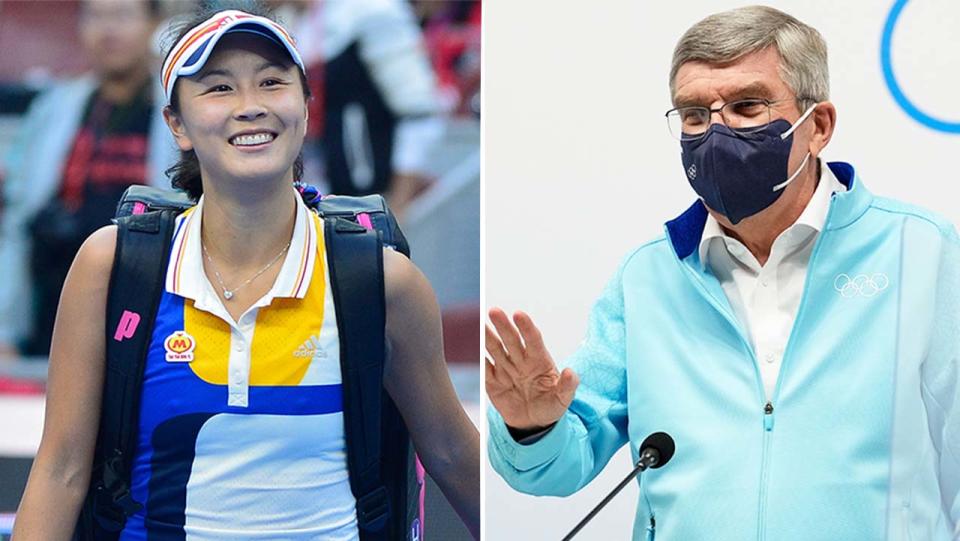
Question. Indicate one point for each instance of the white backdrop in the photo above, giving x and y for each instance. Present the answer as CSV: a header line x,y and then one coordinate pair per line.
x,y
579,166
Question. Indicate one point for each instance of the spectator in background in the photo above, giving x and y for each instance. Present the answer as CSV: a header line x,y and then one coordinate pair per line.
x,y
82,143
451,31
376,108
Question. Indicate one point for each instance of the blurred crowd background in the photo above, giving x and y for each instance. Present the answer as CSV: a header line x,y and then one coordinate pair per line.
x,y
396,111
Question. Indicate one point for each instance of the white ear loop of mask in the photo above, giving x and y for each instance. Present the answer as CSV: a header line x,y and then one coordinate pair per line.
x,y
786,134
783,184
799,121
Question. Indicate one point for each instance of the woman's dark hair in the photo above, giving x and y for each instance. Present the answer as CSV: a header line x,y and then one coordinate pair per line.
x,y
185,174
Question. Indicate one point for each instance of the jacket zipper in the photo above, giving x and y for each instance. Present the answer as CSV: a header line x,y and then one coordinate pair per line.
x,y
764,470
768,417
768,409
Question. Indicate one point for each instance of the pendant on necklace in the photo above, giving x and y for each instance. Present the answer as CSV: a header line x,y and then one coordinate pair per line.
x,y
227,294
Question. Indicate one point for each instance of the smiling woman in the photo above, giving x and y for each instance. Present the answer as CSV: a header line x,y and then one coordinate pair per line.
x,y
217,83
243,423
232,132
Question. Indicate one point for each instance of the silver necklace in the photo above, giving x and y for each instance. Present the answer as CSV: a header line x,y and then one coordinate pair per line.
x,y
228,293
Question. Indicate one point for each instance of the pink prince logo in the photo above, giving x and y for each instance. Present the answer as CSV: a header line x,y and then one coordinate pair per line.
x,y
127,326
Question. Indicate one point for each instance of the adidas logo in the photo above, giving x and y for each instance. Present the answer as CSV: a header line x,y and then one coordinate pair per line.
x,y
310,349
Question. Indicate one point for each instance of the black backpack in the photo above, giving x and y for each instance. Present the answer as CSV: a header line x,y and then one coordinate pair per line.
x,y
388,486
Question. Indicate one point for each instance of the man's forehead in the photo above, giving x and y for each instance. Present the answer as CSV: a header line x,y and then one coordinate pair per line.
x,y
753,75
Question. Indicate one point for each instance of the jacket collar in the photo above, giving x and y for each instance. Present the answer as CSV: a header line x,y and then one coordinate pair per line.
x,y
685,231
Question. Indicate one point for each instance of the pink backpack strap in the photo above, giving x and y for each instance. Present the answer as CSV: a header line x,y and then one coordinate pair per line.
x,y
422,490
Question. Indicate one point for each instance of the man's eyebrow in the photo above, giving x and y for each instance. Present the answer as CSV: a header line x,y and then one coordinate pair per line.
x,y
756,89
681,100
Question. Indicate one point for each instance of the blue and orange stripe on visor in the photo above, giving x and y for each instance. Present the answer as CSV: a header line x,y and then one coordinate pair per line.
x,y
189,55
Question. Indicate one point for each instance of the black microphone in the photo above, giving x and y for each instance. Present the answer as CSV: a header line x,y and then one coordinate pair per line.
x,y
655,451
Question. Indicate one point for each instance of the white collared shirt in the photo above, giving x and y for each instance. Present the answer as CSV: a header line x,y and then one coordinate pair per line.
x,y
765,299
186,278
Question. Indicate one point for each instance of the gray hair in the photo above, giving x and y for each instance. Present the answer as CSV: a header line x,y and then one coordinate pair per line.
x,y
727,36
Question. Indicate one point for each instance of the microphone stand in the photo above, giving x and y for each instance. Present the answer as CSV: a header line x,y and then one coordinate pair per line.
x,y
649,458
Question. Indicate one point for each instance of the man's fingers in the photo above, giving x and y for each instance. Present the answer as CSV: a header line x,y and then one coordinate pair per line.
x,y
508,334
532,339
490,373
508,369
494,345
567,386
496,375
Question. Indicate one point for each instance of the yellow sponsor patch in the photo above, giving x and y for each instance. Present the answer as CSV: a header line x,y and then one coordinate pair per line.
x,y
179,346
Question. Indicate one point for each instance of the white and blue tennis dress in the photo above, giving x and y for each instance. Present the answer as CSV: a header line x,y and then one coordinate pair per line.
x,y
241,422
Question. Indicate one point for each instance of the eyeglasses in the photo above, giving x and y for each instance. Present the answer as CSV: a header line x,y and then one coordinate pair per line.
x,y
745,116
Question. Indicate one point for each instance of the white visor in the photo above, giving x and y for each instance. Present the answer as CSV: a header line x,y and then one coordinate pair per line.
x,y
190,53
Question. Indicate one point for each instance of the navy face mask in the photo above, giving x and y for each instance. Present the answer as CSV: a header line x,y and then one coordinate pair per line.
x,y
740,174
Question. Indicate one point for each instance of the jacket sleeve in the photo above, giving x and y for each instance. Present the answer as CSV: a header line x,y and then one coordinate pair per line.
x,y
574,451
941,381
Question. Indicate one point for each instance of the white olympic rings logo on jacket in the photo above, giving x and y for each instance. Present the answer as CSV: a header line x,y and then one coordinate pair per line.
x,y
861,284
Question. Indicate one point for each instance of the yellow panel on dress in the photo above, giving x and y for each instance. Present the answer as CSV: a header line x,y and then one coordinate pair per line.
x,y
287,331
211,335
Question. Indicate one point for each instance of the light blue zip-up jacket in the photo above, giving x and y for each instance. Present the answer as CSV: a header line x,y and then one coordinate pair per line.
x,y
860,441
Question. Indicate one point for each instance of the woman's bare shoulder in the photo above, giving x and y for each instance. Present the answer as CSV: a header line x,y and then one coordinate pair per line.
x,y
403,281
411,304
99,248
89,276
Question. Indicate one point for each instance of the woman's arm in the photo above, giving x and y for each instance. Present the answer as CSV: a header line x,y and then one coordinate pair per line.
x,y
417,379
61,470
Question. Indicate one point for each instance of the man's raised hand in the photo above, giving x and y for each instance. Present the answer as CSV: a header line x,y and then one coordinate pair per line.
x,y
522,380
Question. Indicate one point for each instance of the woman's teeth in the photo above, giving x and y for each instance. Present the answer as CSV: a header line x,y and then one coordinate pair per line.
x,y
254,139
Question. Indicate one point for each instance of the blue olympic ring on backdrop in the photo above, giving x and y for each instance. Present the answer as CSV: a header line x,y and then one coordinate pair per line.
x,y
898,95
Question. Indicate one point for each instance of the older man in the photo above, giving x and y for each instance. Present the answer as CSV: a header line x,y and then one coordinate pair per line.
x,y
798,336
